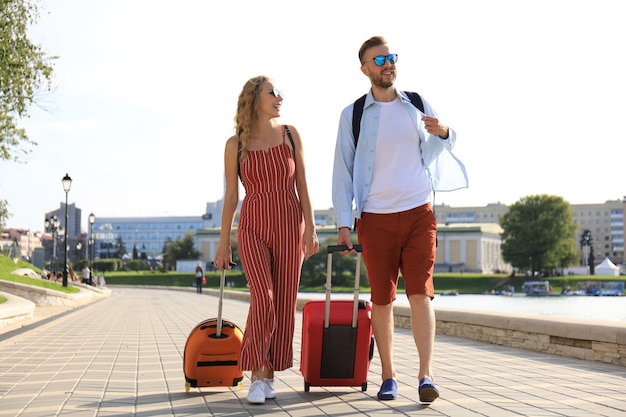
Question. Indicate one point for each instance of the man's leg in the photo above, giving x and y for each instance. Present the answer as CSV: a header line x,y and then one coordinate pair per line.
x,y
423,324
382,325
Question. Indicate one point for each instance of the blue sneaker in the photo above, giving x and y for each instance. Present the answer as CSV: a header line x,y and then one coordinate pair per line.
x,y
427,390
388,390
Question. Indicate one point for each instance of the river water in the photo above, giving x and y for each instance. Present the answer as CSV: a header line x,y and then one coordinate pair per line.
x,y
585,307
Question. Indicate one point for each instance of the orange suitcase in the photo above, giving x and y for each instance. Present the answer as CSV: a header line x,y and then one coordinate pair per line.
x,y
213,352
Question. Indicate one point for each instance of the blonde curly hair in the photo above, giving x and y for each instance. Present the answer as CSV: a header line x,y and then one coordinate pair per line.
x,y
246,111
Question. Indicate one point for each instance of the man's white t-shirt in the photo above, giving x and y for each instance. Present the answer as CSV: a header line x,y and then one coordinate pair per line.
x,y
399,180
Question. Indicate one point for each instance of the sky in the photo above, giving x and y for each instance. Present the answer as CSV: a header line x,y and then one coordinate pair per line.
x,y
144,94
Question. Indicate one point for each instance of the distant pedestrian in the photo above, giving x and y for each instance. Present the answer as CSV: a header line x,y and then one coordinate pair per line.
x,y
86,275
199,278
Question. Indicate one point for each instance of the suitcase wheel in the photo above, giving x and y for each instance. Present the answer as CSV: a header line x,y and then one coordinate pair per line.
x,y
239,385
187,386
364,386
307,387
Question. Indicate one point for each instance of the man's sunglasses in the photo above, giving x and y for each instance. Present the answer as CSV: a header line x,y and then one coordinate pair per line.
x,y
380,59
276,93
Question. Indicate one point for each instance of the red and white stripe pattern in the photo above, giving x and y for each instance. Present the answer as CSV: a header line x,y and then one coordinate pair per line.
x,y
270,247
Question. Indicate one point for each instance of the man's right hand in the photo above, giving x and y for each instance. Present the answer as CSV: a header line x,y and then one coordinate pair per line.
x,y
343,238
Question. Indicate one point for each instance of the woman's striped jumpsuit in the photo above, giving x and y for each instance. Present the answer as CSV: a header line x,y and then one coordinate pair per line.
x,y
269,237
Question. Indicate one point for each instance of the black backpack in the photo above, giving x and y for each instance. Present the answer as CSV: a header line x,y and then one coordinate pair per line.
x,y
415,98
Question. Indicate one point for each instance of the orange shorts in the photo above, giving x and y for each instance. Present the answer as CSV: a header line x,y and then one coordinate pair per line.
x,y
402,242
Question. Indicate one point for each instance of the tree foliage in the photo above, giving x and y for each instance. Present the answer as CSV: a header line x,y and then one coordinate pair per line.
x,y
314,269
24,71
4,214
137,265
539,233
120,248
182,248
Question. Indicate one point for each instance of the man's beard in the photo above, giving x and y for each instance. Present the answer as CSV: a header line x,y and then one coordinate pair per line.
x,y
378,82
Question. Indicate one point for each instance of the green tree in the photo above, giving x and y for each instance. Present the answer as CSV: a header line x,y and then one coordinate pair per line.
x,y
120,248
4,214
182,248
24,71
314,269
539,232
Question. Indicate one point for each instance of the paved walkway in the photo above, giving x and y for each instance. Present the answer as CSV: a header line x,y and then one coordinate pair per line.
x,y
122,356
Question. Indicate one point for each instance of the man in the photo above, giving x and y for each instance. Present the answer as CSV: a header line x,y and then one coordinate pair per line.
x,y
401,156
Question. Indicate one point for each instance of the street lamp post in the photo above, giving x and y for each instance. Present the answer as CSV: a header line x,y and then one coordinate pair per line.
x,y
92,241
67,183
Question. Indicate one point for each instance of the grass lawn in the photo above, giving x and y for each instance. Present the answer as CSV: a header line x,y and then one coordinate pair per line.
x,y
7,265
466,283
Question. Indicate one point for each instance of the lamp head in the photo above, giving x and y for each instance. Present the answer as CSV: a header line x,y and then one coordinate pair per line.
x,y
67,182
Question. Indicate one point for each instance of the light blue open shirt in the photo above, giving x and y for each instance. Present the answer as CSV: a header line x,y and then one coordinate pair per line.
x,y
352,171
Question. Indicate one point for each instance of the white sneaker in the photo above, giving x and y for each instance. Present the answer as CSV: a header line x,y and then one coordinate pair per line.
x,y
256,395
270,392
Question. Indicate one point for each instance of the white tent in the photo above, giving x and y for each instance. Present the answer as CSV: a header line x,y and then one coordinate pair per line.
x,y
607,268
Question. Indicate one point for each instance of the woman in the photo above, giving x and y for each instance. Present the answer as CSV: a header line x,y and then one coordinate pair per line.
x,y
199,277
276,229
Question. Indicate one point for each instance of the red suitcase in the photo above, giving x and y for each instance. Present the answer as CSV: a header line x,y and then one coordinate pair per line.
x,y
337,341
213,352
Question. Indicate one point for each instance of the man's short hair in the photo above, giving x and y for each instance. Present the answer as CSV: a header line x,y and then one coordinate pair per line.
x,y
371,42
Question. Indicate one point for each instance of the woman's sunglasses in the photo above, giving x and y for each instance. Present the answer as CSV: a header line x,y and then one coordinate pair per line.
x,y
380,59
276,93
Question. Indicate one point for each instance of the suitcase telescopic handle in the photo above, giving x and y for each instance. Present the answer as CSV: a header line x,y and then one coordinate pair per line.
x,y
218,332
357,275
340,248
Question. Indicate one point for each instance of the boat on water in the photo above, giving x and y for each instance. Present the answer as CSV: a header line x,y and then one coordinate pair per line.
x,y
591,288
611,288
537,288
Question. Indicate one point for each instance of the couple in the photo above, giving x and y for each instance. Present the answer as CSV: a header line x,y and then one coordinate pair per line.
x,y
401,156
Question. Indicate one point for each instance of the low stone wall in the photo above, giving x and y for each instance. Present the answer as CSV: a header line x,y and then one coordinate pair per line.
x,y
592,340
15,309
46,297
601,341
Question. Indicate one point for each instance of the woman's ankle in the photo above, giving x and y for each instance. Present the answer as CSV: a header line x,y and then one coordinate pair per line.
x,y
257,374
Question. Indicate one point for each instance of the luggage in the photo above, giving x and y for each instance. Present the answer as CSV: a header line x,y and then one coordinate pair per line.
x,y
213,352
337,340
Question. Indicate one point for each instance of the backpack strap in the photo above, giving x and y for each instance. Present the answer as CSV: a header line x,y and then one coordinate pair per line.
x,y
239,149
357,114
416,100
359,104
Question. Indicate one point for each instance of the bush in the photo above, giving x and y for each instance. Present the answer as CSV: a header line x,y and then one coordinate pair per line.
x,y
107,265
137,265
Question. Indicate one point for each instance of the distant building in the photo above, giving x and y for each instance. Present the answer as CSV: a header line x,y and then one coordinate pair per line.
x,y
470,247
605,221
73,219
20,243
52,239
144,237
466,239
